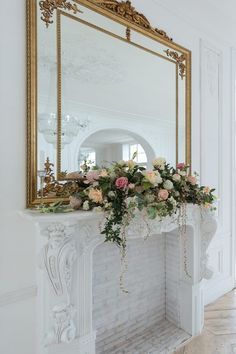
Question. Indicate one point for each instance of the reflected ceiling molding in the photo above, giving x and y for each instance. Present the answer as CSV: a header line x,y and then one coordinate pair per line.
x,y
180,59
127,11
47,8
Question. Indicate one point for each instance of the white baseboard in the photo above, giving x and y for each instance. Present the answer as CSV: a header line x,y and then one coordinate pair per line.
x,y
17,295
220,288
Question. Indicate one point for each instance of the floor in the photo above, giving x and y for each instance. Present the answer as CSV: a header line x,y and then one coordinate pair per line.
x,y
219,335
161,338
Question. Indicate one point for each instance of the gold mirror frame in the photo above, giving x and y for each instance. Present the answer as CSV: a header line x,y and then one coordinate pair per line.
x,y
122,12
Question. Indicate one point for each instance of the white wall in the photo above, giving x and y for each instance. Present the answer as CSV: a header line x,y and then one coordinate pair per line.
x,y
17,256
212,117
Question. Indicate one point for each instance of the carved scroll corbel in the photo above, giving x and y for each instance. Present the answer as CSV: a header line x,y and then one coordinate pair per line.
x,y
208,230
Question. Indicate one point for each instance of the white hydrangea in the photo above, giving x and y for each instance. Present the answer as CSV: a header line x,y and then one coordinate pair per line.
x,y
131,201
86,206
168,185
111,194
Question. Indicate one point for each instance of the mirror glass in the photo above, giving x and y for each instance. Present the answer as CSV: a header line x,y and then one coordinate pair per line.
x,y
106,146
104,90
107,82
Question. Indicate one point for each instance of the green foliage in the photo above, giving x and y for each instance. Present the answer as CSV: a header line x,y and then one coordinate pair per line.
x,y
125,187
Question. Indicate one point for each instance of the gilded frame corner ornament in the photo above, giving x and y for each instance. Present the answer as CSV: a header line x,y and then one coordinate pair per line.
x,y
123,12
180,60
47,7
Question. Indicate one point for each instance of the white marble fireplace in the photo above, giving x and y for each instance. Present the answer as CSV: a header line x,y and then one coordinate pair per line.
x,y
80,307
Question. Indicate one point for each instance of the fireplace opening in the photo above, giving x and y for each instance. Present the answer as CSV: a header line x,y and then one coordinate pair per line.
x,y
147,319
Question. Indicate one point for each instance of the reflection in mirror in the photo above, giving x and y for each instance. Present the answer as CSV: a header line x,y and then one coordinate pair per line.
x,y
114,84
106,146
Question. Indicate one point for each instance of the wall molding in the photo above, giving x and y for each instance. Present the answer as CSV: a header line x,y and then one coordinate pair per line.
x,y
211,87
233,175
18,295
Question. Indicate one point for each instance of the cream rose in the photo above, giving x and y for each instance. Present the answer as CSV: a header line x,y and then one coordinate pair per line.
x,y
153,177
103,173
131,164
159,163
95,195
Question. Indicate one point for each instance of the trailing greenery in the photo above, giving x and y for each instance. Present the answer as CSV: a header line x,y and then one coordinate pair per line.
x,y
125,187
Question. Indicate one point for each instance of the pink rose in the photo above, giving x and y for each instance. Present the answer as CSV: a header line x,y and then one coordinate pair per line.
x,y
75,202
122,182
131,186
163,194
92,176
192,180
206,190
181,166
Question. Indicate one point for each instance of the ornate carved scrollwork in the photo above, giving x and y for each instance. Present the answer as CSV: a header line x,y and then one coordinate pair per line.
x,y
180,60
127,11
64,327
47,8
208,229
122,8
52,187
59,255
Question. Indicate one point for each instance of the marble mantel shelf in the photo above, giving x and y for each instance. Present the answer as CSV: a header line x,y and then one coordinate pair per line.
x,y
65,244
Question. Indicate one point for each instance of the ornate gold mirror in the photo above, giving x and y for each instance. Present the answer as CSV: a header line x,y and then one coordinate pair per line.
x,y
102,83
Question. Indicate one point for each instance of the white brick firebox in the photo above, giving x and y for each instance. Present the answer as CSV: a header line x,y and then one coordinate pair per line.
x,y
80,307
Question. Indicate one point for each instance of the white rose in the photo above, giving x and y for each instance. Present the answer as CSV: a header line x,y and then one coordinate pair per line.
x,y
159,163
182,173
176,177
168,184
86,205
153,177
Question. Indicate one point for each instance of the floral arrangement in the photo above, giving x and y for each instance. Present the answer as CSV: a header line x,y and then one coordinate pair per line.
x,y
125,187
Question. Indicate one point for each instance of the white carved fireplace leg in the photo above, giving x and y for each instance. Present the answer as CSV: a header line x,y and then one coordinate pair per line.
x,y
57,257
194,269
65,325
